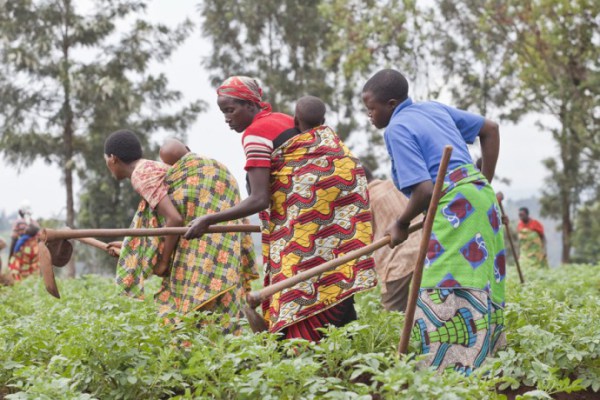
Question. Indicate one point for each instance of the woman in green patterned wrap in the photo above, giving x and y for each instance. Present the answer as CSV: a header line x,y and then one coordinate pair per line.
x,y
210,274
459,317
532,241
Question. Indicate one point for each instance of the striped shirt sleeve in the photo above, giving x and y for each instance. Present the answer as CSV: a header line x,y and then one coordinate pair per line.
x,y
258,151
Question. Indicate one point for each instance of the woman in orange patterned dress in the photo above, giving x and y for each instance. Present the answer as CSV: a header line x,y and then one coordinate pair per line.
x,y
211,274
23,259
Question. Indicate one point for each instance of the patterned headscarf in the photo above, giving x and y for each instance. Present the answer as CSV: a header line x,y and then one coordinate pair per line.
x,y
243,88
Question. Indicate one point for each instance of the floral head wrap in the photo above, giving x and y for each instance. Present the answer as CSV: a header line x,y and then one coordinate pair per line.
x,y
243,88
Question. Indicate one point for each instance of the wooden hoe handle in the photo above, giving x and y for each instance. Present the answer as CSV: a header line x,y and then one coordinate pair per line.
x,y
427,228
57,234
256,297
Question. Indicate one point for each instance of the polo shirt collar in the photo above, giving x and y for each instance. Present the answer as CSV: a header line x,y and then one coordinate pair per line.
x,y
402,106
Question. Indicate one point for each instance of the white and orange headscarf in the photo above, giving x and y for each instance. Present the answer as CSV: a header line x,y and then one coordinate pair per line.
x,y
243,88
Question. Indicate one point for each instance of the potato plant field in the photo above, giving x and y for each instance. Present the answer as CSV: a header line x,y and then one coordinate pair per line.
x,y
96,344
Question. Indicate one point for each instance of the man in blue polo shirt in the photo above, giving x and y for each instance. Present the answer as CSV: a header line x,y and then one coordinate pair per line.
x,y
459,315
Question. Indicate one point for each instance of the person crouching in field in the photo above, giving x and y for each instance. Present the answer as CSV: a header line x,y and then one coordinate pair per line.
x,y
2,247
311,193
5,278
394,266
23,259
211,274
459,317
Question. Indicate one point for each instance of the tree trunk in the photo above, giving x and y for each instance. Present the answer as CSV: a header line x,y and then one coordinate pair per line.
x,y
68,130
567,229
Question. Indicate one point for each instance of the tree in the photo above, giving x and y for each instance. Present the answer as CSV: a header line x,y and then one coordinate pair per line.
x,y
585,238
70,77
326,48
537,56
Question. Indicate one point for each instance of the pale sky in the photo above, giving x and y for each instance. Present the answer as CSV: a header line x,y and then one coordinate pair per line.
x,y
523,146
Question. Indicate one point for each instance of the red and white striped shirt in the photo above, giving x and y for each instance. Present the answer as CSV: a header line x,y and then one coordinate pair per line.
x,y
259,136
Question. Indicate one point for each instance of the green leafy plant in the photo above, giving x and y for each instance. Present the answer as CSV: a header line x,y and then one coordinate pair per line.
x,y
96,344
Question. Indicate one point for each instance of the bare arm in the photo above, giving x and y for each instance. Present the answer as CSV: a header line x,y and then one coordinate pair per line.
x,y
167,209
259,199
489,136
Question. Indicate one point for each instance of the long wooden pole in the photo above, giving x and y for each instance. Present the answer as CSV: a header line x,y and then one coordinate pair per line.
x,y
499,197
85,236
58,234
256,297
253,299
94,243
418,274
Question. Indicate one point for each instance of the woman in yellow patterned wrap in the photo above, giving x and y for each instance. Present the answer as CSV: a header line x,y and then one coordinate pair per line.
x,y
312,196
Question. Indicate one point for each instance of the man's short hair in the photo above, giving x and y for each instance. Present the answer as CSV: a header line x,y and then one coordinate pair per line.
x,y
386,85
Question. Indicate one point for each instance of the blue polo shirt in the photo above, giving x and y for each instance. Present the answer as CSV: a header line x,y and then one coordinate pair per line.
x,y
416,136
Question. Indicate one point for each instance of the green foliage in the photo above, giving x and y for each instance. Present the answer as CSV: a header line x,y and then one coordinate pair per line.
x,y
95,344
533,57
553,341
585,238
70,77
326,48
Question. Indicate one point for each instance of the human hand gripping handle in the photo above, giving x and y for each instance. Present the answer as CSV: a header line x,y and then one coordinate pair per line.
x,y
256,297
398,233
198,227
114,248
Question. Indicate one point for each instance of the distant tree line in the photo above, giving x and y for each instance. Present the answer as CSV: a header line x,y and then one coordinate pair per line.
x,y
69,77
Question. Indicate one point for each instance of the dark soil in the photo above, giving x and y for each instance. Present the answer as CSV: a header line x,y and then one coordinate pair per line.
x,y
581,395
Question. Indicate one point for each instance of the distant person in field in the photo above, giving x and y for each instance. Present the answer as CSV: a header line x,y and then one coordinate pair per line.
x,y
23,258
211,274
394,266
311,193
532,242
2,247
459,317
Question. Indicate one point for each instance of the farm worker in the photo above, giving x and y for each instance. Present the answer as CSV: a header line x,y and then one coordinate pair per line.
x,y
23,257
311,193
532,242
171,151
394,266
459,316
211,274
2,247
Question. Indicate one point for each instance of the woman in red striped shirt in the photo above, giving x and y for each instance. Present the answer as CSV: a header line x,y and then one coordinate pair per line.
x,y
311,193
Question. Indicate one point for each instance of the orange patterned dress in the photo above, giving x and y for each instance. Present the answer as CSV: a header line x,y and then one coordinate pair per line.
x,y
207,274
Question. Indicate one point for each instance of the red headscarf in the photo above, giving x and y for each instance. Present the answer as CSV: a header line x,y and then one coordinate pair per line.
x,y
243,88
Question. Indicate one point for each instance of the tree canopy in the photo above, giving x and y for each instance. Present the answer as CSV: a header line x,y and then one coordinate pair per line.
x,y
70,76
533,57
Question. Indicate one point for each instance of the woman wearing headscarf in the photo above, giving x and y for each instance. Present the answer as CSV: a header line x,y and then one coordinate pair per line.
x,y
311,193
23,258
